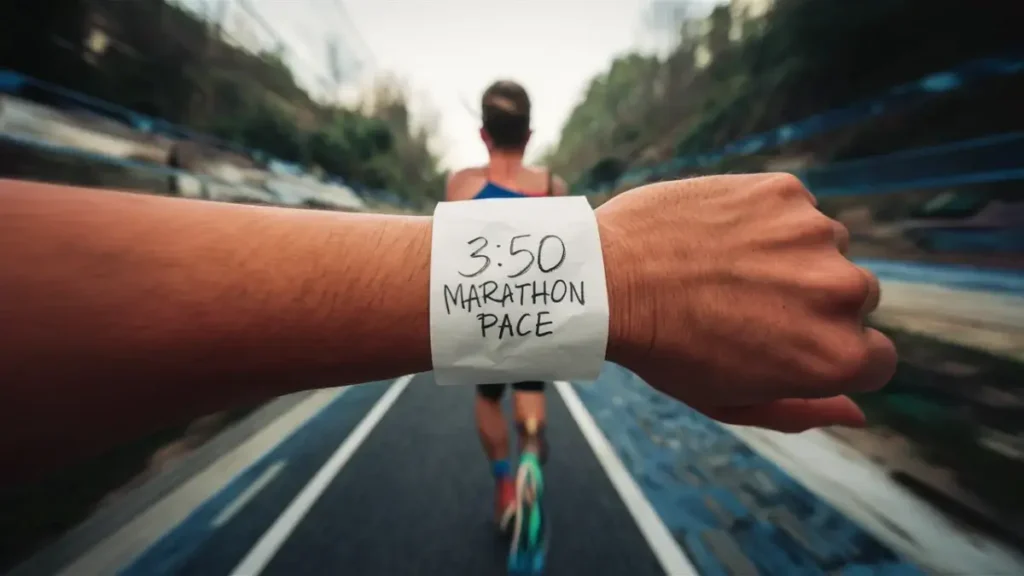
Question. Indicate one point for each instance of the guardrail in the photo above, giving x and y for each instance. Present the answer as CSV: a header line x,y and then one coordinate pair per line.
x,y
896,98
16,83
994,158
274,190
998,158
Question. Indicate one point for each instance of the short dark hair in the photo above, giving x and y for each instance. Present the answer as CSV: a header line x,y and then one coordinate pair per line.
x,y
506,115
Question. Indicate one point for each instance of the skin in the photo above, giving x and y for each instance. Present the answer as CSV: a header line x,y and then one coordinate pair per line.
x,y
125,313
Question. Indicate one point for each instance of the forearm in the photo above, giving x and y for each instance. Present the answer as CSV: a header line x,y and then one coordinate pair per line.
x,y
179,308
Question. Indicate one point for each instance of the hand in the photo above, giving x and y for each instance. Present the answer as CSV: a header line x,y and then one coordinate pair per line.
x,y
732,294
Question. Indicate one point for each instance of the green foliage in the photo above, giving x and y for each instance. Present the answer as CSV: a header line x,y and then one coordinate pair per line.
x,y
801,58
166,63
607,117
353,147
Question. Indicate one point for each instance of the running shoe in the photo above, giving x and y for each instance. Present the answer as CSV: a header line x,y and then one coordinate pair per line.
x,y
529,527
505,503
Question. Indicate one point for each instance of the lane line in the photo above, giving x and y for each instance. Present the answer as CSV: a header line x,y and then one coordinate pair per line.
x,y
238,503
134,501
134,538
665,548
305,451
272,540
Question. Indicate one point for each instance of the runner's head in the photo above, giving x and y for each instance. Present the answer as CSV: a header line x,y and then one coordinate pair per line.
x,y
506,116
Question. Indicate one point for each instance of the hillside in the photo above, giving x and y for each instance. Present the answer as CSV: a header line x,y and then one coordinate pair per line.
x,y
801,58
157,59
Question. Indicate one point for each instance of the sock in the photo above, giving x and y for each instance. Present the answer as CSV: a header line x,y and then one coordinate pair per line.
x,y
534,431
501,468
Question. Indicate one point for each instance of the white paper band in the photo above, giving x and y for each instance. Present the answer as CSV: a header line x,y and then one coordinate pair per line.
x,y
517,291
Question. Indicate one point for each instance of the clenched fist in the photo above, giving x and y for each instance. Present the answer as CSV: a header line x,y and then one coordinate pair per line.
x,y
732,294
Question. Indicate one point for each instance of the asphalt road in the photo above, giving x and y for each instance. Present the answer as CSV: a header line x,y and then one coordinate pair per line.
x,y
415,498
389,478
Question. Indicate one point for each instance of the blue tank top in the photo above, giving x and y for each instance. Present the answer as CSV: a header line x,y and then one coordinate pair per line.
x,y
492,190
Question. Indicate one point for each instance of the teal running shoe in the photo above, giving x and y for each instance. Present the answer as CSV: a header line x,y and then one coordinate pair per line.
x,y
529,530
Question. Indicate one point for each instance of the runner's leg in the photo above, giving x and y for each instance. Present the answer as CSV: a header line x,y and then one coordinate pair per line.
x,y
529,530
490,421
530,406
493,431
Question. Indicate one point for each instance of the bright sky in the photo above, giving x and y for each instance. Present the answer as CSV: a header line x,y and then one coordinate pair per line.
x,y
448,51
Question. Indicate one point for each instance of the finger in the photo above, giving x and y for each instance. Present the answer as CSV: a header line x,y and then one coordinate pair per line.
x,y
794,415
851,359
874,292
842,236
879,365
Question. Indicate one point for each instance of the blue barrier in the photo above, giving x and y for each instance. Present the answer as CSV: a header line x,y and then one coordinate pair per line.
x,y
15,83
899,97
385,196
156,169
953,276
998,158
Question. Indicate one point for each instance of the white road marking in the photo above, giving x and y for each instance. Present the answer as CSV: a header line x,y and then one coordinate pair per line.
x,y
671,557
236,506
132,539
271,541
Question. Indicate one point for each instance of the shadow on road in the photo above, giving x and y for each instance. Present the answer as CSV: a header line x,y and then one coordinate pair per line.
x,y
37,514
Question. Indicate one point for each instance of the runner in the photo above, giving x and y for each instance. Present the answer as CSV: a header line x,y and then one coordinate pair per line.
x,y
506,131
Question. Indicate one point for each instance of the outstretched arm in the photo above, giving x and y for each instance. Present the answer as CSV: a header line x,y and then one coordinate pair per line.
x,y
122,313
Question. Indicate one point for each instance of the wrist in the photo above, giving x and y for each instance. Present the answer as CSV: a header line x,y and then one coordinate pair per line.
x,y
374,317
403,303
625,320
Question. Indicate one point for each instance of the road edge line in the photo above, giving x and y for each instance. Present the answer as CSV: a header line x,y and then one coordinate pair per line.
x,y
666,549
121,547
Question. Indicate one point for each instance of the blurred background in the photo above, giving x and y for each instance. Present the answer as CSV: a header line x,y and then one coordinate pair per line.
x,y
902,116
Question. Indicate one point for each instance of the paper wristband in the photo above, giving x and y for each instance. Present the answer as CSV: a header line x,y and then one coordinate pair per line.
x,y
517,291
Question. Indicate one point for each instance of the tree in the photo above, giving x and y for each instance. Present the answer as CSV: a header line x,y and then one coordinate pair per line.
x,y
801,58
168,64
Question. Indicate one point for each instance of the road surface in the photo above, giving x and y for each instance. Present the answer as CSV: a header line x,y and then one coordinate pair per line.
x,y
388,478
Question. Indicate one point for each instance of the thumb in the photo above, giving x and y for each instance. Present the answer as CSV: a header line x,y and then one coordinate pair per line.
x,y
793,415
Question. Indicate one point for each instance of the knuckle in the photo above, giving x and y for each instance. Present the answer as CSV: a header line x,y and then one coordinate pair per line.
x,y
819,227
787,181
840,230
853,286
846,363
790,186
